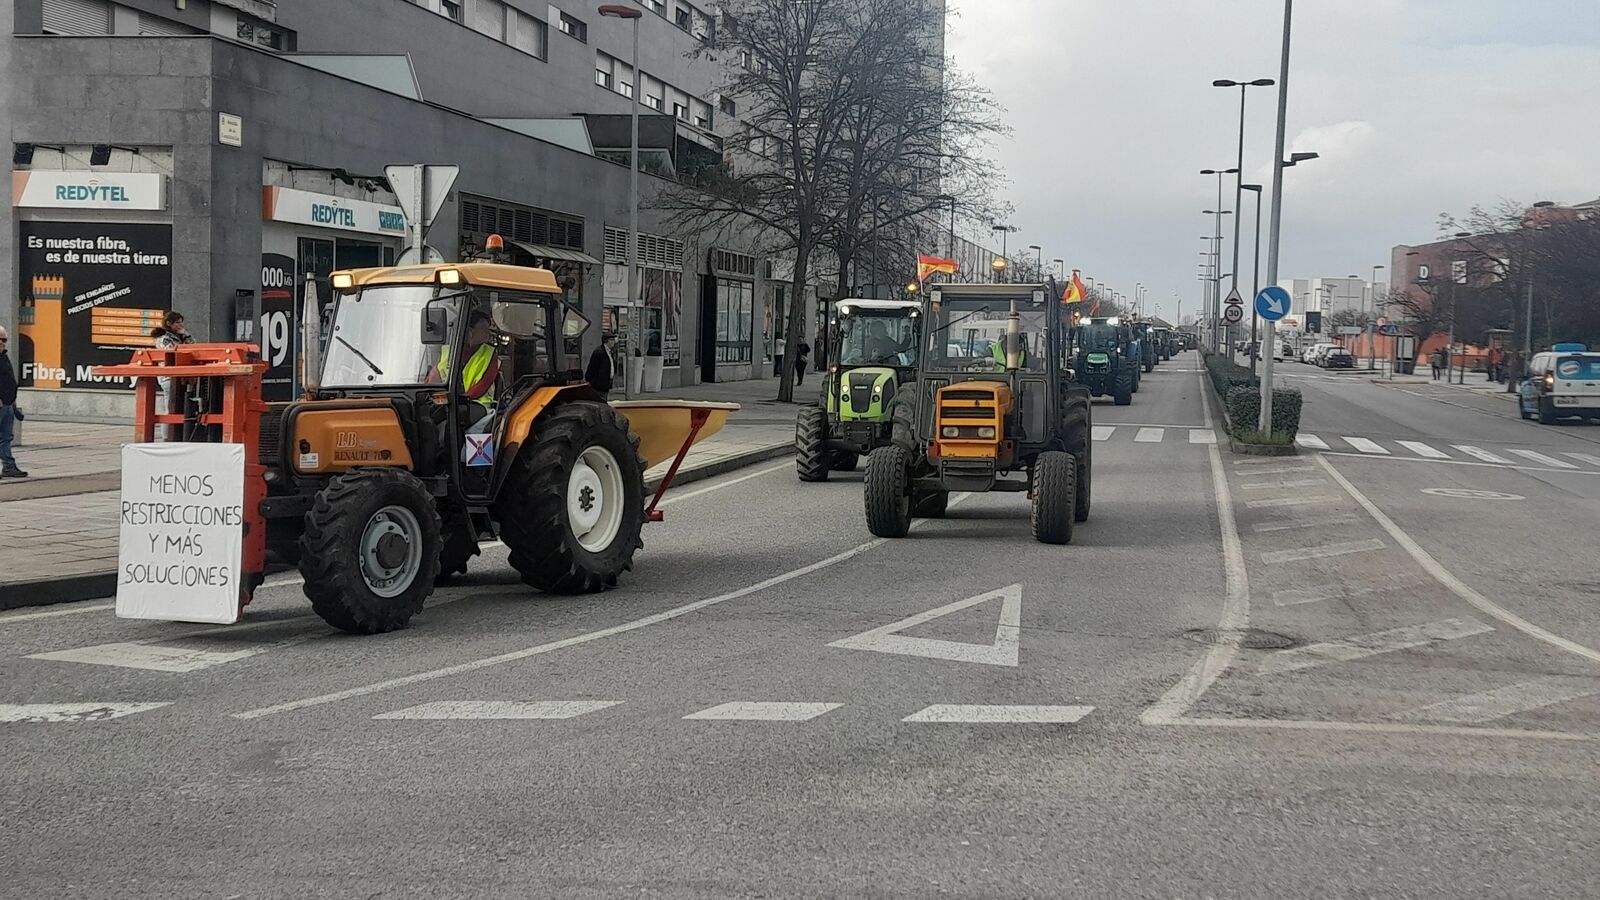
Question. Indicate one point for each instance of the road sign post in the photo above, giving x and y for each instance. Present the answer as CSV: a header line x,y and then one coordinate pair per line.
x,y
1272,304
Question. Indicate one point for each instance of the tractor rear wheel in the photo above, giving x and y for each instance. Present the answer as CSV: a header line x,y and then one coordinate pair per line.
x,y
1122,393
811,460
370,550
1085,481
930,504
887,492
1055,497
572,507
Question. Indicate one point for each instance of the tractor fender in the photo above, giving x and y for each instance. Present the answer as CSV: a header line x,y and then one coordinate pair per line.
x,y
528,409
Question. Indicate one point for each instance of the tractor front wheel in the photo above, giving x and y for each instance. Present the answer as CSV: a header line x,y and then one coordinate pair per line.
x,y
811,459
370,550
887,492
572,507
1055,497
1122,392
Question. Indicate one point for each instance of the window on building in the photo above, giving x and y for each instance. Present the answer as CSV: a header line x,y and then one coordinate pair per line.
x,y
1458,271
157,26
604,70
735,318
574,27
451,9
702,114
745,60
652,102
77,17
659,7
683,17
728,107
704,26
489,17
532,36
680,112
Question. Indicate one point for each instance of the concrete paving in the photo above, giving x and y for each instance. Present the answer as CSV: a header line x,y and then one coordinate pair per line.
x,y
1363,677
61,522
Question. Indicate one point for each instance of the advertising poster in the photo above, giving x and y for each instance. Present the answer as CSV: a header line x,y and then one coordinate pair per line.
x,y
181,541
278,326
91,293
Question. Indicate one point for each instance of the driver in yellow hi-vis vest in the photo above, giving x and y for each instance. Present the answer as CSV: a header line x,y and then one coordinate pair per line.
x,y
997,350
478,376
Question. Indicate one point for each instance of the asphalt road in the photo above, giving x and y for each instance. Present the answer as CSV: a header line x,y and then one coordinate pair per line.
x,y
1247,676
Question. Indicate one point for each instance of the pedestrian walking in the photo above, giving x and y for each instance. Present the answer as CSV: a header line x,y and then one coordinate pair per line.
x,y
802,352
1436,361
10,414
777,356
601,371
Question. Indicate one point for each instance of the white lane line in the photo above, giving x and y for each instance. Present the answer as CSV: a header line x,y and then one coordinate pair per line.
x,y
1279,470
1475,709
56,613
1269,527
1103,432
1480,453
1322,551
501,709
1455,585
71,712
1000,714
1423,450
1543,460
155,657
1301,482
1202,436
765,712
1589,458
1363,646
676,612
1461,462
1320,592
1387,728
1310,442
1366,446
1235,607
679,498
1149,435
1288,501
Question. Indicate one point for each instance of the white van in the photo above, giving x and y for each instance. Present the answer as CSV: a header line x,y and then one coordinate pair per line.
x,y
1560,384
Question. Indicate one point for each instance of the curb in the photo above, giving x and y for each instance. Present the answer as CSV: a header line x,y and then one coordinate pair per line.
x,y
1244,449
99,585
71,589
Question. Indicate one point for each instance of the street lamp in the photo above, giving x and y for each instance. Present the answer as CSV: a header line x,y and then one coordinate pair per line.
x,y
1238,194
1372,351
619,11
1255,284
1264,421
1005,236
1216,289
999,267
1060,266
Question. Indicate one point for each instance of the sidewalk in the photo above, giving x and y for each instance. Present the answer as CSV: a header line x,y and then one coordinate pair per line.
x,y
60,524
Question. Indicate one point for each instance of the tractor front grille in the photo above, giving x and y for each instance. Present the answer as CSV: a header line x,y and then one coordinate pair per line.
x,y
269,441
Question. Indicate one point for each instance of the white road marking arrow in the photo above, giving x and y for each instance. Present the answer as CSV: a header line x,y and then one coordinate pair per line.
x,y
1004,651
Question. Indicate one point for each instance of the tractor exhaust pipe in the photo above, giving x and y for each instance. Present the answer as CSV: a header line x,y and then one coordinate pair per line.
x,y
1013,340
310,340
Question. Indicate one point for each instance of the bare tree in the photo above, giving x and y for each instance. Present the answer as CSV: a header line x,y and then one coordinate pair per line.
x,y
1423,316
845,114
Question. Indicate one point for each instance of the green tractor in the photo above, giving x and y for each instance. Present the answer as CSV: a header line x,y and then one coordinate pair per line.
x,y
1104,363
872,350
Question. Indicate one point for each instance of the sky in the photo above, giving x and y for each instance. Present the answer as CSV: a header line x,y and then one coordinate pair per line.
x,y
1417,107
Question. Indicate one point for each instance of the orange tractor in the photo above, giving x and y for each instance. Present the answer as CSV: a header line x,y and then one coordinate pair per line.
x,y
448,409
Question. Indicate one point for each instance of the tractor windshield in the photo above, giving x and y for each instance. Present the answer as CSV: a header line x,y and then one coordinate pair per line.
x,y
376,339
1100,337
873,338
968,335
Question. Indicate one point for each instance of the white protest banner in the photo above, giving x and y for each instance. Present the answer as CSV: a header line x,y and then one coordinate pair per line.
x,y
182,536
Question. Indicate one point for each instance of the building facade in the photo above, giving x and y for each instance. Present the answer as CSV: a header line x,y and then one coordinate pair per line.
x,y
222,157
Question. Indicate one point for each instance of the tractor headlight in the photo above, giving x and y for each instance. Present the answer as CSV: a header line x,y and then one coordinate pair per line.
x,y
950,431
986,432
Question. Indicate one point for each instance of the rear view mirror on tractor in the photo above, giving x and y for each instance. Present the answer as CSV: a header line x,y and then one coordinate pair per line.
x,y
435,325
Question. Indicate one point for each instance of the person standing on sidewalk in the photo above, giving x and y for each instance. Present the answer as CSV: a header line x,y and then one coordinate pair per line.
x,y
1436,360
10,415
802,352
601,371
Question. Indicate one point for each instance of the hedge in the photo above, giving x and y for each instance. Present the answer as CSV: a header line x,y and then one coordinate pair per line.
x,y
1227,375
1244,410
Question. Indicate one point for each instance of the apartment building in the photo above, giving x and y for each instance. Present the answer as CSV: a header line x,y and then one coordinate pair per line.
x,y
219,156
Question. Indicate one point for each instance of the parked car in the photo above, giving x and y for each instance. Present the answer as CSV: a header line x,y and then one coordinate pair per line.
x,y
1311,354
1338,358
1559,385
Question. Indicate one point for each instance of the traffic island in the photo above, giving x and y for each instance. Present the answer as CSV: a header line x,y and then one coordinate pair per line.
x,y
1239,393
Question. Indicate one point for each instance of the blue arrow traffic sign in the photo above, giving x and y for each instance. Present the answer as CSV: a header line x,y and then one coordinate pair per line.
x,y
1272,303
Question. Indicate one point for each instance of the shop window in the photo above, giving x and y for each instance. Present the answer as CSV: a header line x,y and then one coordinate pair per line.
x,y
735,316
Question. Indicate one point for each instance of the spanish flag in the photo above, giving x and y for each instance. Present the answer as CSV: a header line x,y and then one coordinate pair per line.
x,y
1075,291
927,265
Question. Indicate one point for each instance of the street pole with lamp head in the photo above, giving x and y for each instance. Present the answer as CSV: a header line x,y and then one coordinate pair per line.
x,y
1372,322
1264,422
999,266
1238,194
1005,238
1038,260
1451,341
1527,334
620,11
1216,288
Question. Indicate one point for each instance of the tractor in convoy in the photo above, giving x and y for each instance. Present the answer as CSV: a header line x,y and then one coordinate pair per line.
x,y
1103,363
990,408
450,409
872,351
1149,354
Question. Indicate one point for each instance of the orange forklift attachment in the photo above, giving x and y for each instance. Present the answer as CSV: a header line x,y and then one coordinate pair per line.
x,y
227,380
